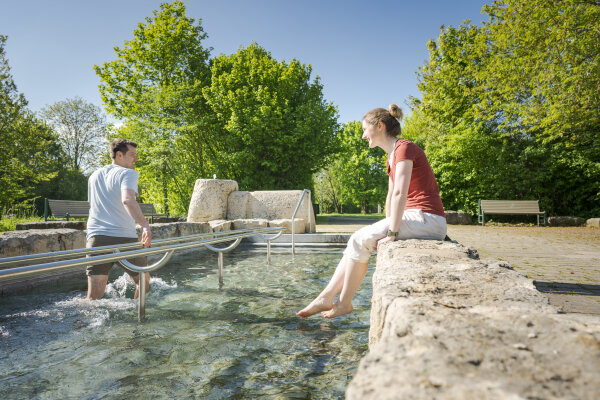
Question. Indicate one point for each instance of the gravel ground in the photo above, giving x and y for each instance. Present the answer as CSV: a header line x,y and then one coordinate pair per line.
x,y
563,262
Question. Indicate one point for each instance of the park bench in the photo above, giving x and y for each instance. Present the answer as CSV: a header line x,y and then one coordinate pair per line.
x,y
81,209
510,207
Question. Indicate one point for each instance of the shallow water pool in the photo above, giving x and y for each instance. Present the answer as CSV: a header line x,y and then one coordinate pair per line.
x,y
199,341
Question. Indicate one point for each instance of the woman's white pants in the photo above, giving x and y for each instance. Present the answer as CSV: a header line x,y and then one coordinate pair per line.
x,y
416,224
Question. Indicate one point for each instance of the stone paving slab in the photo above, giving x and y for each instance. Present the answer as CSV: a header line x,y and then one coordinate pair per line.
x,y
564,262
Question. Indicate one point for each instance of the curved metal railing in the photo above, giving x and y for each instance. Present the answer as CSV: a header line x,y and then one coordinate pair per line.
x,y
117,255
304,192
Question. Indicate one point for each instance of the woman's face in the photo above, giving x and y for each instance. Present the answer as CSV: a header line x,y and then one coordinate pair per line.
x,y
372,133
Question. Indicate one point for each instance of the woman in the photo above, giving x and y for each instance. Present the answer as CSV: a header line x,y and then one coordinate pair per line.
x,y
413,210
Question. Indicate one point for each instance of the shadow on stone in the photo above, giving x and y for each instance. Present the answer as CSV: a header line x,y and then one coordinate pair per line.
x,y
567,288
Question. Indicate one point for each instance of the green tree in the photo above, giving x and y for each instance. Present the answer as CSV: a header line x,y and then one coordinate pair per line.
x,y
82,130
360,170
275,127
154,86
27,145
329,189
505,108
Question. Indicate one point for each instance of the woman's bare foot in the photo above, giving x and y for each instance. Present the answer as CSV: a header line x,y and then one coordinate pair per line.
x,y
337,310
317,305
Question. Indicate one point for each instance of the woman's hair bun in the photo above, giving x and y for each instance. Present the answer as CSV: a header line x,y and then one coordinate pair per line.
x,y
395,111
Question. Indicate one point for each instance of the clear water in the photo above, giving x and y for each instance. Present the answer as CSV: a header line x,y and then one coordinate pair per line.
x,y
199,341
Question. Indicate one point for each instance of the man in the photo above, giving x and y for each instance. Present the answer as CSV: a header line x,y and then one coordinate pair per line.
x,y
114,212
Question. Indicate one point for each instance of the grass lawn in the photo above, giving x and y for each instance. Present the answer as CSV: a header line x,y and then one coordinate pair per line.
x,y
9,222
328,218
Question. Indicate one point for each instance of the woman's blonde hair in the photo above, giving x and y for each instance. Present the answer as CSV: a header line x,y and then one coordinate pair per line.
x,y
390,118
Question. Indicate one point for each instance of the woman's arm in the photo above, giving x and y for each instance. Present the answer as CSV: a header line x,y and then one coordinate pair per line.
x,y
399,195
388,198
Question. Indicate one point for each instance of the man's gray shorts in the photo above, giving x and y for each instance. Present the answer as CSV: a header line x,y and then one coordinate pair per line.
x,y
104,269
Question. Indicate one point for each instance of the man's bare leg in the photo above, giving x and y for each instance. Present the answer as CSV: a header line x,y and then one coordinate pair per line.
x,y
355,273
136,279
324,300
96,286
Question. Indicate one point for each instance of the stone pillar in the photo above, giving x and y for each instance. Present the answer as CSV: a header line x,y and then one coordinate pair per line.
x,y
209,200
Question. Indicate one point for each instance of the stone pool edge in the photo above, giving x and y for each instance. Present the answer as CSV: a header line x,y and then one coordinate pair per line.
x,y
444,324
34,241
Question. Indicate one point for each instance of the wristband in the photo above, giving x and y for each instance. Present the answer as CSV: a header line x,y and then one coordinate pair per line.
x,y
390,233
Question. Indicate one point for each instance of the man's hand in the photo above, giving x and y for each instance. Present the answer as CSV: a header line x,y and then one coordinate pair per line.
x,y
385,240
146,236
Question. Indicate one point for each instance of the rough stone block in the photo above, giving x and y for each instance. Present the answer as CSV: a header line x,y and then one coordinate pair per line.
x,y
237,205
566,221
451,217
457,218
17,243
279,204
299,225
447,325
220,225
464,218
250,223
192,228
209,199
593,223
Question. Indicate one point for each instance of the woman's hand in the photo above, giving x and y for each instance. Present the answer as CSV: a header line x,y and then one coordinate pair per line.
x,y
385,240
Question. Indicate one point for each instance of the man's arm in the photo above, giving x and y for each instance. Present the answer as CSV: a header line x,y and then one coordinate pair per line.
x,y
133,208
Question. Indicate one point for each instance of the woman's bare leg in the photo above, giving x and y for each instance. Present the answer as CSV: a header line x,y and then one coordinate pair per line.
x,y
355,272
324,301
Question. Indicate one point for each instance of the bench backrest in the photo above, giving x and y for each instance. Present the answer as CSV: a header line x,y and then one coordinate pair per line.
x,y
75,208
509,206
148,209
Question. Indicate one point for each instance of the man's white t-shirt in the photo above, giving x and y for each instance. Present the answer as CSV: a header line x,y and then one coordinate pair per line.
x,y
108,215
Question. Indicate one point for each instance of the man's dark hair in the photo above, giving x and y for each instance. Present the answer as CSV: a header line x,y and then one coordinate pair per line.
x,y
120,145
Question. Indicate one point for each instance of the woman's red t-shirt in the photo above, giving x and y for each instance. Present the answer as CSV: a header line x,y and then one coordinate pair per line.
x,y
423,191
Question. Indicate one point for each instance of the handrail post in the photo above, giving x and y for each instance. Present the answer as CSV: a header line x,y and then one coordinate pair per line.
x,y
142,297
220,269
304,191
309,209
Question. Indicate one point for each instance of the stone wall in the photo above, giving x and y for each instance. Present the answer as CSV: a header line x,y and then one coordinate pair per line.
x,y
458,218
445,325
216,200
19,243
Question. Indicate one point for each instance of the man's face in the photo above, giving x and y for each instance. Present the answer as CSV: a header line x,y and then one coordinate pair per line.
x,y
128,159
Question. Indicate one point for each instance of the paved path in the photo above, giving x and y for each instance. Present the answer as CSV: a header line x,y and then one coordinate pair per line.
x,y
563,262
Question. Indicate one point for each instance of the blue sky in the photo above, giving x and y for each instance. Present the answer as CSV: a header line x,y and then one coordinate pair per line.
x,y
366,53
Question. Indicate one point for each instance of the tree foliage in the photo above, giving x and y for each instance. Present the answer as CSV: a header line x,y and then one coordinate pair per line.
x,y
275,127
357,174
154,85
29,154
244,116
82,130
509,110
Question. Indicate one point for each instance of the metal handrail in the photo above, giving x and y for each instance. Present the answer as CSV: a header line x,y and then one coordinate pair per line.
x,y
32,270
305,191
16,260
220,251
268,240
